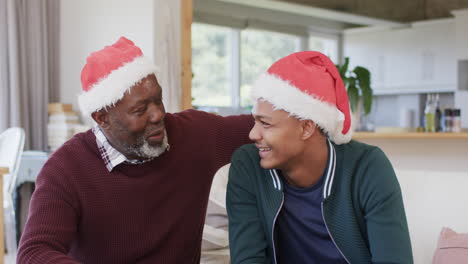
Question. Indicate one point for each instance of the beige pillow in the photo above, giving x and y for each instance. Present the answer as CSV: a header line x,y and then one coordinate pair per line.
x,y
215,242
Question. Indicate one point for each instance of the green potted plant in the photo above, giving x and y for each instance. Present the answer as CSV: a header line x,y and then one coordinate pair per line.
x,y
358,86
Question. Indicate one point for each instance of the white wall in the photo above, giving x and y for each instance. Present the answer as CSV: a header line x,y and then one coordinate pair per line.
x,y
433,200
461,20
87,26
433,175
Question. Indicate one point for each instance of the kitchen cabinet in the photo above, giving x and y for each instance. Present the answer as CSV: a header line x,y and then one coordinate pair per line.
x,y
461,20
419,58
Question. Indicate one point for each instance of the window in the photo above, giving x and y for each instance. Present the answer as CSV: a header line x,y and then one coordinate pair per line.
x,y
210,63
328,46
226,61
260,49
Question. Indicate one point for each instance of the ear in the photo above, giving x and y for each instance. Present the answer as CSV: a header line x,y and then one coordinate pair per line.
x,y
102,118
308,128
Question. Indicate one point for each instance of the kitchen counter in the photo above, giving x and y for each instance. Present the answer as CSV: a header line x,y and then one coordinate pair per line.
x,y
445,152
409,135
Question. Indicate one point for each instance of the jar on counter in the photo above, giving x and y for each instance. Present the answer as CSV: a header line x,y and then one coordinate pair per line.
x,y
456,120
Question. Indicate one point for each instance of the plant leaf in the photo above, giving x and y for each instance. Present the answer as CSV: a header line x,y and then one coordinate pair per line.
x,y
351,80
346,82
364,85
344,68
367,100
363,76
353,96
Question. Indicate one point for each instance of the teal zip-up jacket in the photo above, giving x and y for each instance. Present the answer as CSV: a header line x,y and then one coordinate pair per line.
x,y
362,208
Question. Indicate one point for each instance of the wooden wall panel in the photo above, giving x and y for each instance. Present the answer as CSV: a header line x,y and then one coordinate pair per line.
x,y
186,53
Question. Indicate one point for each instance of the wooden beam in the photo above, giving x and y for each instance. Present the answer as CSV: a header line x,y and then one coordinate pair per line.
x,y
316,12
3,170
186,53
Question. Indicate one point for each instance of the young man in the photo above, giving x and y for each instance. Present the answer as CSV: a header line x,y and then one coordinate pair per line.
x,y
134,189
305,193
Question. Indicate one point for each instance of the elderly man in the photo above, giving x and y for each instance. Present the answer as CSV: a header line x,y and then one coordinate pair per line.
x,y
134,189
305,193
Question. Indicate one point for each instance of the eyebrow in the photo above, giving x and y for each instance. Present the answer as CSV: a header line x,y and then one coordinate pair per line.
x,y
141,102
262,117
147,100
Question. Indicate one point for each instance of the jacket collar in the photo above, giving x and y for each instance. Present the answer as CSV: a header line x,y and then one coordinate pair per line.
x,y
330,170
329,177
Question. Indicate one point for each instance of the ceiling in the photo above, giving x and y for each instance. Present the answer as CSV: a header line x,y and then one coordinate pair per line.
x,y
281,16
394,10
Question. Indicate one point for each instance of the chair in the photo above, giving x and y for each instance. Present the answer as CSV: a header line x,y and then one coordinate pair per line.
x,y
31,164
11,148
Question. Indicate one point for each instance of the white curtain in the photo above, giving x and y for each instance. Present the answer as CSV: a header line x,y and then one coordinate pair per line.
x,y
28,66
167,17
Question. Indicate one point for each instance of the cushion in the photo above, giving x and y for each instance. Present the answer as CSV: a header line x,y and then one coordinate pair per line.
x,y
215,242
451,248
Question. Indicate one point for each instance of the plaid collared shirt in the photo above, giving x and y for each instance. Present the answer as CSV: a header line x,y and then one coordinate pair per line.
x,y
109,154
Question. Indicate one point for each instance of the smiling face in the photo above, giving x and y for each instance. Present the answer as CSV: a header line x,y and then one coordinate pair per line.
x,y
278,136
135,124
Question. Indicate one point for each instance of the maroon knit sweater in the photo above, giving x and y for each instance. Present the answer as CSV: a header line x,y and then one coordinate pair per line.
x,y
148,213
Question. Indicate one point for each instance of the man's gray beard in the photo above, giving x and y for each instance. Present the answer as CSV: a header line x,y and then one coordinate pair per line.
x,y
144,150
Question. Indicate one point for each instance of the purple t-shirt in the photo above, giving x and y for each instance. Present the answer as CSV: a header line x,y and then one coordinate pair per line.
x,y
302,234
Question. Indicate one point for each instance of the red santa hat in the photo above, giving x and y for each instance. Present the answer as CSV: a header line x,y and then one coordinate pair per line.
x,y
308,86
110,72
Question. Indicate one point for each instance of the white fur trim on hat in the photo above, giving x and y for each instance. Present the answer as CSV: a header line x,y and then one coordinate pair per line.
x,y
112,88
283,95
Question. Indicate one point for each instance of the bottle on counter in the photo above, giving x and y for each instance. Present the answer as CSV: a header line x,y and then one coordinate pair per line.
x,y
448,120
456,120
429,114
438,115
442,119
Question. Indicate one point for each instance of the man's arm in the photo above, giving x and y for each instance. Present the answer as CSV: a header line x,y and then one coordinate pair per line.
x,y
384,213
233,132
52,219
247,239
